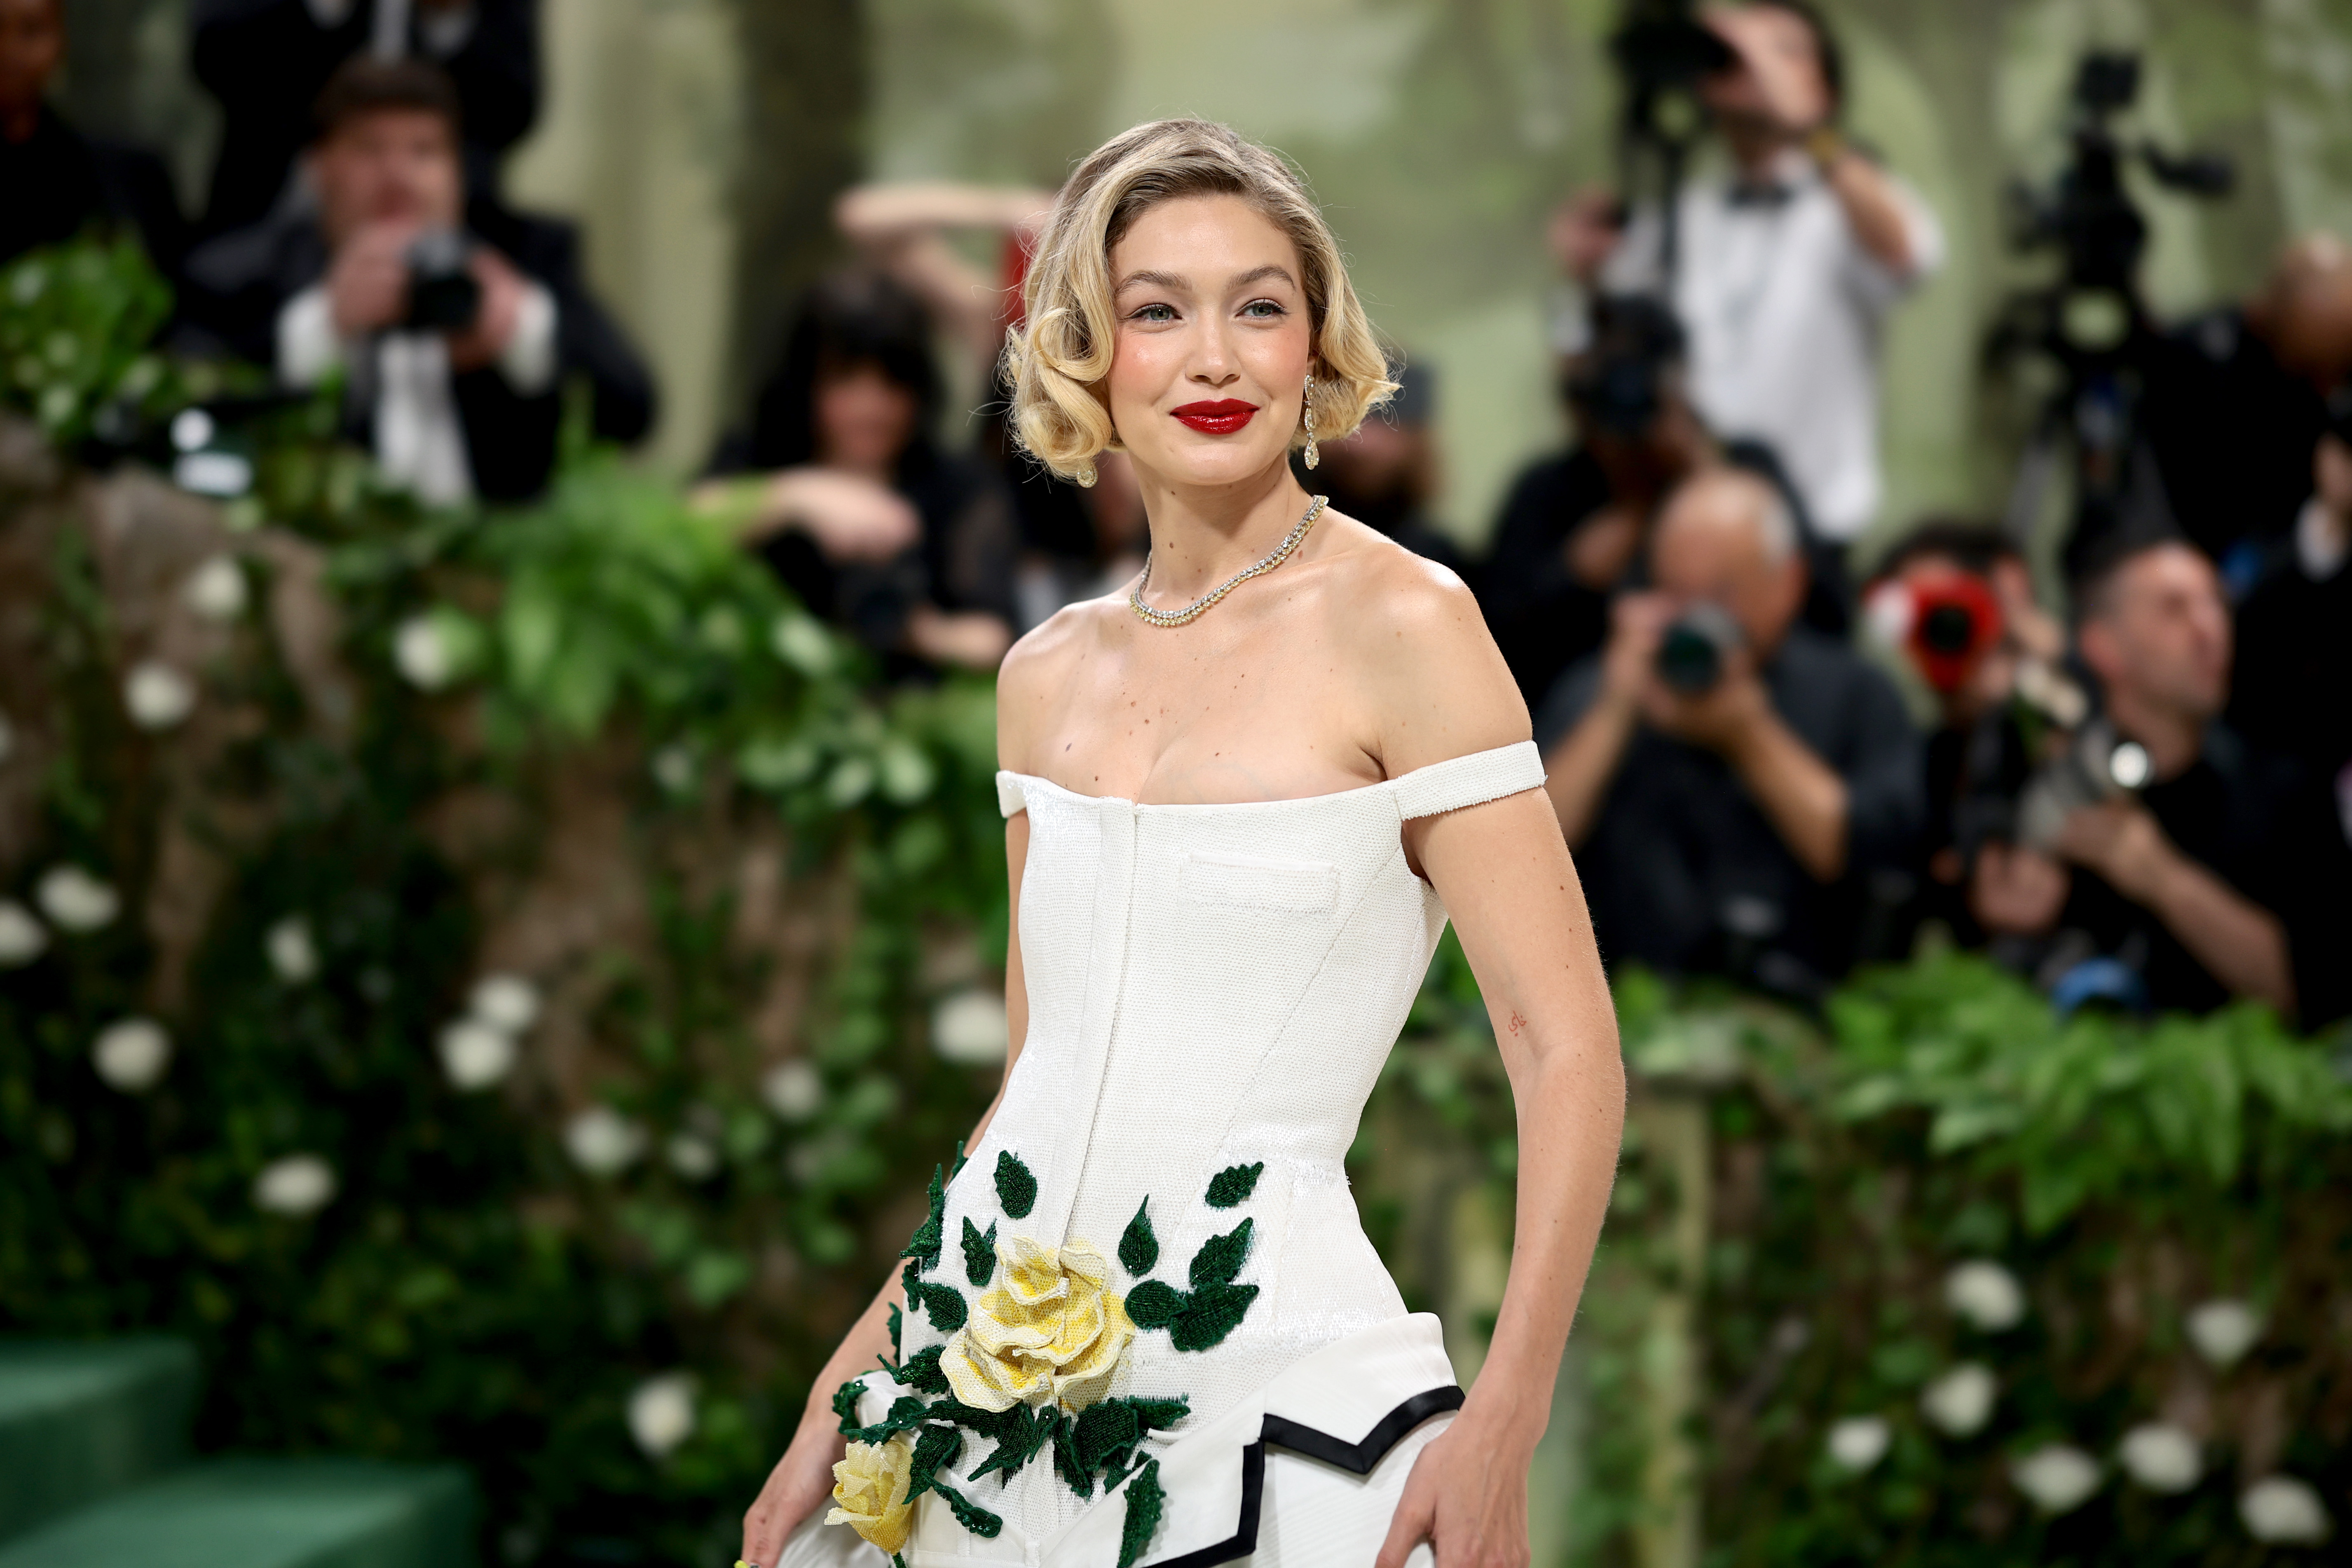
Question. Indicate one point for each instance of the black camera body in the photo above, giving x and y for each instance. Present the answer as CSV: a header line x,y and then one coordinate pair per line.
x,y
444,295
1696,646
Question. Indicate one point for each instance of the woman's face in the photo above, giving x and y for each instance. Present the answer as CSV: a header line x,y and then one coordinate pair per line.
x,y
863,419
1211,358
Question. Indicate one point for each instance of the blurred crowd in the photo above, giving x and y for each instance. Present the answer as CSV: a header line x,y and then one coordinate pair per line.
x,y
1776,752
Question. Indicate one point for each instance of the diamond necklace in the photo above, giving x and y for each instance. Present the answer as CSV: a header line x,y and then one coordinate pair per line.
x,y
1193,611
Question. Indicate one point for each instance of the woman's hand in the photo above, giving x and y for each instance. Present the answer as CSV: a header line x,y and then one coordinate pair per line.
x,y
797,1488
1467,1497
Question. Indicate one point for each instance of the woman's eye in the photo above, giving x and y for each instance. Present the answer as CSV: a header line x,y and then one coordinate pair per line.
x,y
1262,310
1155,313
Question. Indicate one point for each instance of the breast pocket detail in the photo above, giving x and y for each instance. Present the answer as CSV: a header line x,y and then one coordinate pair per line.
x,y
1246,882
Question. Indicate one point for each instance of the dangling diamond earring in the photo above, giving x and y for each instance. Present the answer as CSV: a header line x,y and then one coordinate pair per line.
x,y
1087,476
1306,413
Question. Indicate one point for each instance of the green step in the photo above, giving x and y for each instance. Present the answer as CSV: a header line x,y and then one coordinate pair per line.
x,y
269,1513
79,1422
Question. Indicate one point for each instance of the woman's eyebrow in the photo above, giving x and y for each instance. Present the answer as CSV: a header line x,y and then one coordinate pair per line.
x,y
1159,280
1259,274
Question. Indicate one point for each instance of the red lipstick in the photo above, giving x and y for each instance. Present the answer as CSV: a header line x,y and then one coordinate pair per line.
x,y
1221,417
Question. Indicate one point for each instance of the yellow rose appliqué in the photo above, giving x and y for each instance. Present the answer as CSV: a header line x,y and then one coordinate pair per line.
x,y
870,1492
1045,1332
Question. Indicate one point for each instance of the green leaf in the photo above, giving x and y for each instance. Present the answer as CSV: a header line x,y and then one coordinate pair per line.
x,y
929,1237
1234,1184
970,1514
1138,1248
1016,1189
1210,1315
935,1450
1144,1501
946,1306
1221,1257
922,1374
979,1253
1154,1304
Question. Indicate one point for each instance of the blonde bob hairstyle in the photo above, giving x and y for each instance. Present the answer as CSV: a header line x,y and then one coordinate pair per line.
x,y
1057,358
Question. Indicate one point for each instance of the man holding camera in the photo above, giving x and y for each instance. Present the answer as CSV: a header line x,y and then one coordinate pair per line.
x,y
2209,868
454,340
1783,271
1729,779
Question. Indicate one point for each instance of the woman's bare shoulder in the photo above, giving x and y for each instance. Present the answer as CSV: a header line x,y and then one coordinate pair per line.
x,y
1434,680
1039,672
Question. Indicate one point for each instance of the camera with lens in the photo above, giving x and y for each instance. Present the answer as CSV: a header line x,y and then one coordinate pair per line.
x,y
1945,624
1618,384
444,295
1696,646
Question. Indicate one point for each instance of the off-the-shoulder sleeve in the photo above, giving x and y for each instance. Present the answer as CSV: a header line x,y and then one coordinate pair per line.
x,y
1467,780
1010,800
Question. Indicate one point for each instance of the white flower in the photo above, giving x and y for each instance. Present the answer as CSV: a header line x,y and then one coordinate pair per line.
x,y
693,1156
22,938
426,652
1960,1402
794,1090
802,643
1986,1294
77,900
673,769
506,1003
474,1055
2162,1457
296,1186
292,954
2285,1511
2224,1331
969,1026
661,1412
216,590
1859,1442
2057,1478
156,696
132,1055
602,1142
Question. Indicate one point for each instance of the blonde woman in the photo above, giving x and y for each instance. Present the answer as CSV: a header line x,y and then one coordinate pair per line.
x,y
1141,1325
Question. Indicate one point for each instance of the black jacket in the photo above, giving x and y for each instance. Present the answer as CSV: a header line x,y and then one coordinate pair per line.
x,y
240,282
59,183
266,60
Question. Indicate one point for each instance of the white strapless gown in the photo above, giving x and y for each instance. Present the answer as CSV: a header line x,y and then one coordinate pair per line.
x,y
1211,989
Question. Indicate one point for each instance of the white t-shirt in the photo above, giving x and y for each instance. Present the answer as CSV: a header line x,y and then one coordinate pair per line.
x,y
1782,306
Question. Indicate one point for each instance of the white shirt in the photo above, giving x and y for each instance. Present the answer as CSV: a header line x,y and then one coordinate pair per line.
x,y
1783,305
420,441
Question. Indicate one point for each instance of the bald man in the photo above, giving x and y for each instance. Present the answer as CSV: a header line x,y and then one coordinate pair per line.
x,y
1730,826
2236,399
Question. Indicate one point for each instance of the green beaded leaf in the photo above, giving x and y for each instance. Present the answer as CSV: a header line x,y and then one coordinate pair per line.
x,y
979,1253
921,1372
1221,1257
1016,1189
1066,1459
1138,1248
935,1450
945,1306
970,1514
911,1277
844,1403
930,1236
1145,1501
1018,1441
1234,1183
1154,1304
962,1160
1212,1312
897,1322
1102,1430
907,1413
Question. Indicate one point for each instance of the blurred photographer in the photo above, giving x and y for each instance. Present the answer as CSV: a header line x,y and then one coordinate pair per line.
x,y
2196,863
2291,689
1955,600
1729,779
1575,527
455,337
1784,269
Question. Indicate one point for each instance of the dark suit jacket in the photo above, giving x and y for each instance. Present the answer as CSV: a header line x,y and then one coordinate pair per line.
x,y
265,61
59,181
240,282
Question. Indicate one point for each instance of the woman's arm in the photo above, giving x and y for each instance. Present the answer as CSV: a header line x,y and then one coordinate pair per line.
x,y
803,1478
1441,691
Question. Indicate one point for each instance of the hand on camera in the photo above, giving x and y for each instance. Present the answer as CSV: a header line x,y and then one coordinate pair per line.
x,y
367,284
493,323
850,517
2120,840
1773,80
